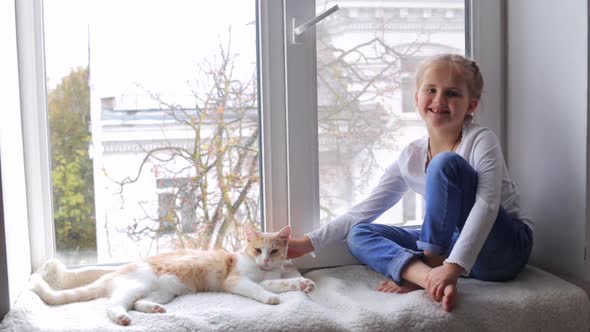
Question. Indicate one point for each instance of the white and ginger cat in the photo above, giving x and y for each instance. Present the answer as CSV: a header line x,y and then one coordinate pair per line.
x,y
259,271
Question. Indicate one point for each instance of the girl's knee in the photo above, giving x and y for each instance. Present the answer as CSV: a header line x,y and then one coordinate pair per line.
x,y
445,160
358,231
449,165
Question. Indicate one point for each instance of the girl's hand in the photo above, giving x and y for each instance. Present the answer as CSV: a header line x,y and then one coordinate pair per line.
x,y
299,246
440,277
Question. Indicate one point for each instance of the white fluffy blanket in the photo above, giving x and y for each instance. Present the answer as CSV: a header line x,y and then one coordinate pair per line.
x,y
344,300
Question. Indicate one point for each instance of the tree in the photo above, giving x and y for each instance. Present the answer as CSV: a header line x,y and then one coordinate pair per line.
x,y
72,177
212,189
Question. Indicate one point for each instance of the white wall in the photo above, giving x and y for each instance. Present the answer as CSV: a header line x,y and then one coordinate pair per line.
x,y
547,128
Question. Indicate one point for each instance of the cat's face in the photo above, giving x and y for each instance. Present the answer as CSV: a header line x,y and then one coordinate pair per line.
x,y
269,250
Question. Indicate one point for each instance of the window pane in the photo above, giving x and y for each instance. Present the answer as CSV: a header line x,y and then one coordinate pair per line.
x,y
367,55
153,125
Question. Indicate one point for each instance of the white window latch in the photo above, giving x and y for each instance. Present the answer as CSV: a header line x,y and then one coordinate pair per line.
x,y
301,29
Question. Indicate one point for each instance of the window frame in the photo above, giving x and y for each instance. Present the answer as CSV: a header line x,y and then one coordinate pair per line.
x,y
31,67
15,230
288,119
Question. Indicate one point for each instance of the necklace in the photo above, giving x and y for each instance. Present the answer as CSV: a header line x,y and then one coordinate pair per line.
x,y
429,153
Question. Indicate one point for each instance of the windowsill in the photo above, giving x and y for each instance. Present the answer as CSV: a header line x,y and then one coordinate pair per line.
x,y
343,297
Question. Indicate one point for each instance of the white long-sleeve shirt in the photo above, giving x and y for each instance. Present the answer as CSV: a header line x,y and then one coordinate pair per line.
x,y
481,149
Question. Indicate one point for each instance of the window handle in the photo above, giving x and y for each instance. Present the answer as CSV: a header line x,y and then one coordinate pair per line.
x,y
299,30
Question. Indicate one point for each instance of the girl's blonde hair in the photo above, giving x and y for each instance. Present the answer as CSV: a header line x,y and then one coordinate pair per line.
x,y
467,68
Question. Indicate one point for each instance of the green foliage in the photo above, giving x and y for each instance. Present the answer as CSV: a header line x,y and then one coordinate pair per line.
x,y
73,187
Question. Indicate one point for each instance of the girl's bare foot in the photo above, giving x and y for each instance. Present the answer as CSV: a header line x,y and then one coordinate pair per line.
x,y
448,300
389,286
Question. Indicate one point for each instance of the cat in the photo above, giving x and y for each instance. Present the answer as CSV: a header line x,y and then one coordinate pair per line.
x,y
258,272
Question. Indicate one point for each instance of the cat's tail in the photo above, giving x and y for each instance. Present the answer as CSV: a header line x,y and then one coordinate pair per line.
x,y
51,296
58,276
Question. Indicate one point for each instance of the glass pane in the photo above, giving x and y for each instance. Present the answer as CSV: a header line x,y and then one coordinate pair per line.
x,y
367,55
153,125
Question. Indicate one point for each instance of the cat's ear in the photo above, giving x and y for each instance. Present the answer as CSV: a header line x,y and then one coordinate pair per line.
x,y
284,233
250,232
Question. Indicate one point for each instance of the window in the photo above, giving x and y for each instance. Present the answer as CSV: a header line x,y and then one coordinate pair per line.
x,y
321,115
366,85
153,126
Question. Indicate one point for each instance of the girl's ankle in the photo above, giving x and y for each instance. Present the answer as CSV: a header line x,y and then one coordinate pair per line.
x,y
432,260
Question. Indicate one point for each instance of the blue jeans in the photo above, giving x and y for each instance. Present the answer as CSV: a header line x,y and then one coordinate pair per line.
x,y
450,194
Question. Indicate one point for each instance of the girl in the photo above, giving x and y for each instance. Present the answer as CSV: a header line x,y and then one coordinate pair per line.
x,y
473,223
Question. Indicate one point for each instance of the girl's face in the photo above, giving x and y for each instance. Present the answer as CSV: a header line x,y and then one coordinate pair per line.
x,y
443,99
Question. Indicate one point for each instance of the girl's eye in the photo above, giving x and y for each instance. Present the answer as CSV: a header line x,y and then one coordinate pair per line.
x,y
274,251
453,94
431,90
258,250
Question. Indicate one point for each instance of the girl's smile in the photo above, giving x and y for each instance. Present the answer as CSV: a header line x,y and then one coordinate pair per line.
x,y
438,112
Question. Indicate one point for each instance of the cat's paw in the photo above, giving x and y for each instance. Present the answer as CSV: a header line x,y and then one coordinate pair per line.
x,y
123,319
158,309
149,307
272,299
306,285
